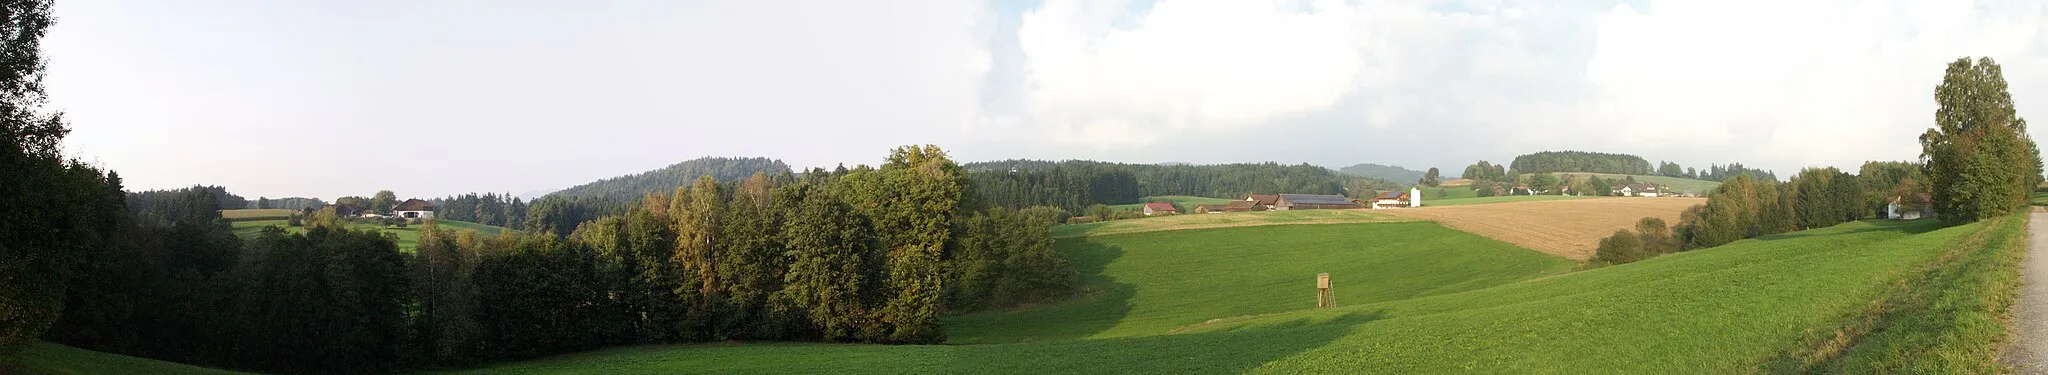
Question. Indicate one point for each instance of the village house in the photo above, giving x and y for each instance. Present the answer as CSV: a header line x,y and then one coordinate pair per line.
x,y
1911,207
1397,199
1160,208
1314,202
1637,190
414,209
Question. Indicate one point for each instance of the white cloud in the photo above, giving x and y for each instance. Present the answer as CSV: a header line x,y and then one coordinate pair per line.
x,y
1100,73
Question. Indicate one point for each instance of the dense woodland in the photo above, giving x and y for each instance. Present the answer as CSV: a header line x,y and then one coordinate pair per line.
x,y
289,203
1382,172
1075,184
632,187
1580,161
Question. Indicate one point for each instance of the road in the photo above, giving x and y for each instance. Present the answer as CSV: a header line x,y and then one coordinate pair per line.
x,y
2029,351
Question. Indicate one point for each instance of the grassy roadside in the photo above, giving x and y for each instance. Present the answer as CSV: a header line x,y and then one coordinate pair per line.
x,y
1949,317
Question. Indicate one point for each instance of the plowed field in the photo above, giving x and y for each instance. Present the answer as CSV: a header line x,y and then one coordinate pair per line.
x,y
1566,228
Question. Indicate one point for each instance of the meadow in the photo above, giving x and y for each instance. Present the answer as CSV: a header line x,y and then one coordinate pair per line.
x,y
1220,220
1742,307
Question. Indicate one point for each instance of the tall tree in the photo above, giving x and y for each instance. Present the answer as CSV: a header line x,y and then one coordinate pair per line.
x,y
383,201
1431,177
1980,161
37,245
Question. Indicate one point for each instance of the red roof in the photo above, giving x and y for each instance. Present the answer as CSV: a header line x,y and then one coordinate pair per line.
x,y
1161,206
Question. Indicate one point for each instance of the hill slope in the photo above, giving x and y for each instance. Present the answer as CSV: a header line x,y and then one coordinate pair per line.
x,y
1720,310
1383,172
633,186
55,359
1686,184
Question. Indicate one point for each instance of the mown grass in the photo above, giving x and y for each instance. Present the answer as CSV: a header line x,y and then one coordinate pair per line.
x,y
1499,199
1728,309
1219,220
1152,283
56,359
408,237
1949,318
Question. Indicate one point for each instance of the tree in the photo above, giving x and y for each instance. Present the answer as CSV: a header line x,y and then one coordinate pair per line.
x,y
1980,161
1621,247
831,249
383,201
1431,178
37,245
262,203
1669,169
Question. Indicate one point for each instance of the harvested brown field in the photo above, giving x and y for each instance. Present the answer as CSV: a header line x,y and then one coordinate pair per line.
x,y
1567,228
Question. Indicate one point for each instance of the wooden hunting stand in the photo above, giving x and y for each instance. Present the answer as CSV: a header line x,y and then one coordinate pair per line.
x,y
1323,296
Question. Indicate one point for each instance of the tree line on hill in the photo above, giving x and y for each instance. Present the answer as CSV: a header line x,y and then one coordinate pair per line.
x,y
289,203
1977,162
628,188
1580,161
1074,185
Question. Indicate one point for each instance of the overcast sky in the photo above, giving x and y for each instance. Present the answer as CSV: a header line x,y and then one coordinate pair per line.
x,y
431,98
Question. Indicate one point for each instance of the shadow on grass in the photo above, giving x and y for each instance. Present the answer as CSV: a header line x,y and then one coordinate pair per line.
x,y
1877,225
1232,351
1102,303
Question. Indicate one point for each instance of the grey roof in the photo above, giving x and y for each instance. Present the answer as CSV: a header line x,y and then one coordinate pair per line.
x,y
1315,199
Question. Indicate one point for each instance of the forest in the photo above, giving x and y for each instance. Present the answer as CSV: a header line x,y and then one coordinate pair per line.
x,y
632,187
1580,161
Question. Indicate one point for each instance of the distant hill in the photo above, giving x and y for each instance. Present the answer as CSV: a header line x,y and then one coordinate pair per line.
x,y
1383,172
634,186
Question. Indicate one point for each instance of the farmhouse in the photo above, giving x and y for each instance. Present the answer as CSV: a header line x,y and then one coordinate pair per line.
x,y
1637,190
1212,208
1314,202
1397,199
1160,208
1909,207
414,209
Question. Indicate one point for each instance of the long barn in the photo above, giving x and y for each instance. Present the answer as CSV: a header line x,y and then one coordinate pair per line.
x,y
1314,202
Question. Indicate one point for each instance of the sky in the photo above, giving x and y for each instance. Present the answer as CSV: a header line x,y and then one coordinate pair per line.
x,y
433,98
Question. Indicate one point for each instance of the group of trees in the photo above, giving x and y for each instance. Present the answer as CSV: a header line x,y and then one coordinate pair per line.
x,y
1430,178
625,189
1980,160
1580,161
865,255
147,202
290,203
502,210
1649,239
1076,184
1718,172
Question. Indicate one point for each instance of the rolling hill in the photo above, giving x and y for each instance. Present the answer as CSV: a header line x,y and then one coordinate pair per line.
x,y
634,186
1383,172
1417,298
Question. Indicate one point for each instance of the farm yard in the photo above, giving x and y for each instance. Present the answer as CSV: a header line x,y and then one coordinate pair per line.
x,y
1568,228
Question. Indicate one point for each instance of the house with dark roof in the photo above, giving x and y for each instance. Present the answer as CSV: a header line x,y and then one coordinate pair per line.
x,y
1287,202
414,209
1397,199
1160,208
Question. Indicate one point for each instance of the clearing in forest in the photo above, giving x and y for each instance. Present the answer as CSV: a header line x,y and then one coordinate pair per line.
x,y
1567,228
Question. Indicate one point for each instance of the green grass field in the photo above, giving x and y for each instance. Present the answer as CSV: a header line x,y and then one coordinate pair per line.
x,y
54,359
1688,185
1736,308
1219,220
408,237
256,214
1152,283
1501,199
1447,192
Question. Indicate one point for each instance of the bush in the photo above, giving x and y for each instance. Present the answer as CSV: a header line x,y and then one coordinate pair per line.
x,y
1622,247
